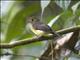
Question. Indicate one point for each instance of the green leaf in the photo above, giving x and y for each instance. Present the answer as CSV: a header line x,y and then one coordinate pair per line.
x,y
17,24
75,7
53,20
63,3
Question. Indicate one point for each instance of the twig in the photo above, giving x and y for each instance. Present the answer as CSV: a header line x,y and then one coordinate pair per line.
x,y
37,39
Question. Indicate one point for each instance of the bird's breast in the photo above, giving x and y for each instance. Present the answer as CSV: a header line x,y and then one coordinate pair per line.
x,y
37,32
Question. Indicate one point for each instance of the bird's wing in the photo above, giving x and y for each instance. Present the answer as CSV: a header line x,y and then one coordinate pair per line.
x,y
43,27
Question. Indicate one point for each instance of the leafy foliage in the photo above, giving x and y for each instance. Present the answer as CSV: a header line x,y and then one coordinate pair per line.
x,y
13,22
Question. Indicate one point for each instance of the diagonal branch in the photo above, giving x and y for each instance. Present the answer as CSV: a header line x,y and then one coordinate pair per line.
x,y
37,39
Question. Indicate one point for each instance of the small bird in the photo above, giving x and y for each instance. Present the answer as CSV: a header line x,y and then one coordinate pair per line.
x,y
39,28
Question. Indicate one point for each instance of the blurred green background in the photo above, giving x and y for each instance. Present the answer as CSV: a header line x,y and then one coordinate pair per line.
x,y
13,23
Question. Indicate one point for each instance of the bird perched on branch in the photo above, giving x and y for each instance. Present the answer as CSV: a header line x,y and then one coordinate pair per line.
x,y
39,28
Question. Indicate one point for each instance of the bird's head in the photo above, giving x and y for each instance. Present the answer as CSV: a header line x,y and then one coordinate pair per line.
x,y
32,19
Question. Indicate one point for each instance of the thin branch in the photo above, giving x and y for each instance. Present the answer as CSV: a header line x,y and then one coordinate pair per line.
x,y
70,29
37,39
